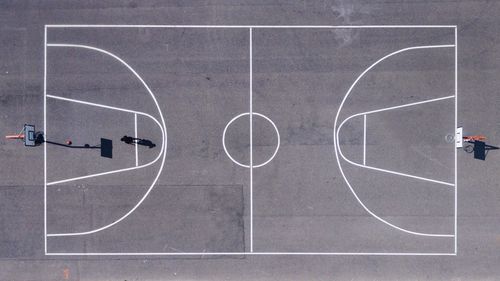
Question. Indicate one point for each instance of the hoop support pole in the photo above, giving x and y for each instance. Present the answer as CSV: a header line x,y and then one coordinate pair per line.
x,y
15,137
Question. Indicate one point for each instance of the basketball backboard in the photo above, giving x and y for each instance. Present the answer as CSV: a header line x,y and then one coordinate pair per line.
x,y
29,135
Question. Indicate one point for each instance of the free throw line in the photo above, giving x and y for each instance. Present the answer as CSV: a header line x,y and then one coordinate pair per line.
x,y
364,139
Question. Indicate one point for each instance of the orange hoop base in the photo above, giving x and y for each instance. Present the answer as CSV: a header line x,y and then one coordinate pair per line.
x,y
474,138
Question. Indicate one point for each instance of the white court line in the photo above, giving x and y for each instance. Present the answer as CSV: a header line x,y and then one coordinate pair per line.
x,y
136,146
242,26
45,136
251,137
113,171
103,106
381,110
239,163
456,125
402,106
364,139
337,145
164,137
254,254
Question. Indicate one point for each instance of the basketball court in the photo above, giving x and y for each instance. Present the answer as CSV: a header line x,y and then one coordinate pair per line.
x,y
264,144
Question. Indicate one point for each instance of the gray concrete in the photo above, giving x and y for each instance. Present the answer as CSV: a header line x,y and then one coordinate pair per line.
x,y
201,201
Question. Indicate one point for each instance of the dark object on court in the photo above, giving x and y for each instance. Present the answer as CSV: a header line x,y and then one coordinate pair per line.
x,y
127,139
106,145
147,143
479,147
106,148
479,150
137,141
39,139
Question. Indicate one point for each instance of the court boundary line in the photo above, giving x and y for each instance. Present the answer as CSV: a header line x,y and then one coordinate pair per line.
x,y
254,254
45,134
244,26
250,27
455,148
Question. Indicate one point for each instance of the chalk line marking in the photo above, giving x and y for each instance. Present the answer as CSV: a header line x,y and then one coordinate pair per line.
x,y
364,139
250,115
254,254
239,163
243,26
45,134
402,106
136,146
381,110
456,125
113,171
337,146
162,127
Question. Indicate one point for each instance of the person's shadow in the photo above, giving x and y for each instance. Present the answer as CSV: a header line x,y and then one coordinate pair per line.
x,y
137,141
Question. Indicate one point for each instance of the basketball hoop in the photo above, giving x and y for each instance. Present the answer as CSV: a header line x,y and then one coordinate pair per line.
x,y
27,134
449,138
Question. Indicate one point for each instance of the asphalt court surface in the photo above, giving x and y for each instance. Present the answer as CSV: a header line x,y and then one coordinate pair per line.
x,y
200,78
208,216
201,201
305,106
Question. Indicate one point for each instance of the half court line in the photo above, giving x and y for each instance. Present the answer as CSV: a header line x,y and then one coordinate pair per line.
x,y
251,136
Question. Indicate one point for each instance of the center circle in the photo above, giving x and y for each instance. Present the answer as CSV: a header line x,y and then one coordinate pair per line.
x,y
260,139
